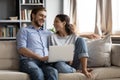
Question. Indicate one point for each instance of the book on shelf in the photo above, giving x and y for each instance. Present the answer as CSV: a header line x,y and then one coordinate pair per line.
x,y
3,31
35,1
28,14
14,31
25,14
0,31
23,1
8,31
22,15
31,1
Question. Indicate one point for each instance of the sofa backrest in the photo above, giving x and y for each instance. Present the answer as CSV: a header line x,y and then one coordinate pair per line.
x,y
9,58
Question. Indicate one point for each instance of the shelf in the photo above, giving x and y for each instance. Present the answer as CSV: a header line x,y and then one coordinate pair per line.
x,y
7,38
9,21
25,21
31,4
115,39
14,15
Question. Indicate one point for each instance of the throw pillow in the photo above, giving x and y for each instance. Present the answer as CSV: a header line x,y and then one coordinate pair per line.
x,y
99,52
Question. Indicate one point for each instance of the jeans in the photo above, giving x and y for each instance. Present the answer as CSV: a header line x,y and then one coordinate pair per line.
x,y
49,71
79,52
38,70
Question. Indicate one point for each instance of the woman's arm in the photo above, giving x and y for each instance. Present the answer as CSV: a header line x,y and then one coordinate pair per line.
x,y
90,35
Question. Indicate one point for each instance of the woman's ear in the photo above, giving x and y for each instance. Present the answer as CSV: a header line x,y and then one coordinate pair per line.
x,y
64,23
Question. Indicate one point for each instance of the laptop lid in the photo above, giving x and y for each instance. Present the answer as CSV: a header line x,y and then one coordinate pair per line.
x,y
61,53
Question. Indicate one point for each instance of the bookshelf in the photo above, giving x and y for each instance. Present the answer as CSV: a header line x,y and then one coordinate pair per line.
x,y
15,14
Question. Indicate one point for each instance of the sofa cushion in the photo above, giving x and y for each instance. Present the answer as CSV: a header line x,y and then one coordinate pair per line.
x,y
8,55
9,64
111,79
13,75
102,73
72,76
99,52
116,54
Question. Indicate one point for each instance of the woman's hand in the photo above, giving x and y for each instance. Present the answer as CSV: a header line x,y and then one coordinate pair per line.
x,y
93,36
70,62
90,35
87,73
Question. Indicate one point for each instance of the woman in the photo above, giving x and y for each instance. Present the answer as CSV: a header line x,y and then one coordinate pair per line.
x,y
65,35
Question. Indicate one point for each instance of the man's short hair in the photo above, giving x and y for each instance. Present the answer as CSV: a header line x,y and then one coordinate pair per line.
x,y
36,10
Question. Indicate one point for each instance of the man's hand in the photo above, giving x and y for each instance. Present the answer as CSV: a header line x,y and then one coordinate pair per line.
x,y
45,58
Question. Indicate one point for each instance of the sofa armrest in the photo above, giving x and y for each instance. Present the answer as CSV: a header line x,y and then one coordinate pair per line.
x,y
115,56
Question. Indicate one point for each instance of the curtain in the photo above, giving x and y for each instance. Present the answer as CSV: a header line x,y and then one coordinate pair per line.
x,y
73,12
70,8
103,24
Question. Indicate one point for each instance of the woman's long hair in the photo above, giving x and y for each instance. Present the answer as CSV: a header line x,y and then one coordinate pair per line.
x,y
69,28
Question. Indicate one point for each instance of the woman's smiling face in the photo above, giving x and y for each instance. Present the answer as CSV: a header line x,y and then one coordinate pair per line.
x,y
58,24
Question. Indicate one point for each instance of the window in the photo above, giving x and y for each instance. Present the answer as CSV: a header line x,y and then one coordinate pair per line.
x,y
116,16
86,12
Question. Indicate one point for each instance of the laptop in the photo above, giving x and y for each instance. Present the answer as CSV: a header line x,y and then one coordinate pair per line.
x,y
61,53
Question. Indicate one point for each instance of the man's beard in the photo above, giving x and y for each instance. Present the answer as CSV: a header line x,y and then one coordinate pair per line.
x,y
37,24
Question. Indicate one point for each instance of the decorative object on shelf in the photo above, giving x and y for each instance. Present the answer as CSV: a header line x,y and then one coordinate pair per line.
x,y
13,18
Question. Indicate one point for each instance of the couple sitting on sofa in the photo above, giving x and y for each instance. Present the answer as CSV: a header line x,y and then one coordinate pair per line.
x,y
32,44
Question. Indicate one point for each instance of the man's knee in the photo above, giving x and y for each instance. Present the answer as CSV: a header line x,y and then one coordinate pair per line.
x,y
36,73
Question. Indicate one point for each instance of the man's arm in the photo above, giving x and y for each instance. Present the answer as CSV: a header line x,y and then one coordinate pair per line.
x,y
21,46
28,53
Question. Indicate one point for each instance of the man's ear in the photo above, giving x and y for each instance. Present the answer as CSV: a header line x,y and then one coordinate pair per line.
x,y
33,16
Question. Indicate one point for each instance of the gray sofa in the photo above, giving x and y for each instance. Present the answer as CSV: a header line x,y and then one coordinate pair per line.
x,y
9,65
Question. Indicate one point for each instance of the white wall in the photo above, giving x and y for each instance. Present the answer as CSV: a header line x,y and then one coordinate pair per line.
x,y
53,8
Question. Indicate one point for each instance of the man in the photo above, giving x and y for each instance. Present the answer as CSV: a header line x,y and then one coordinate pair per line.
x,y
32,46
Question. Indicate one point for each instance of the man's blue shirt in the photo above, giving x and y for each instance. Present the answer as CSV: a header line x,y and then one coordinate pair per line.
x,y
35,40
